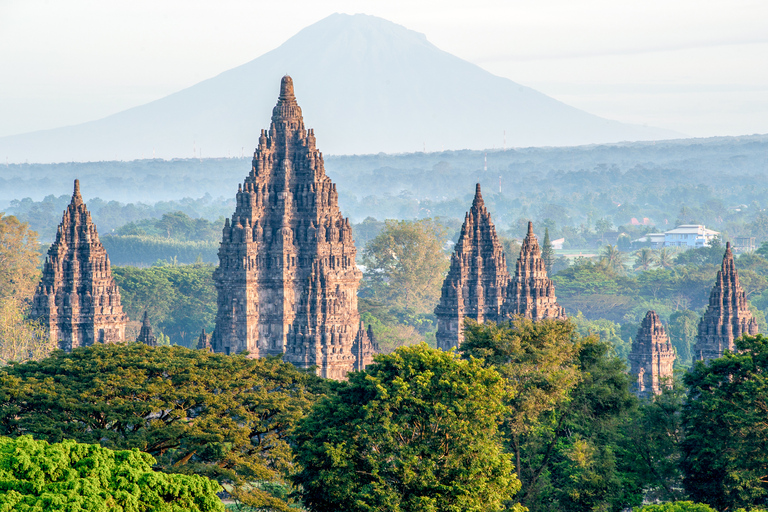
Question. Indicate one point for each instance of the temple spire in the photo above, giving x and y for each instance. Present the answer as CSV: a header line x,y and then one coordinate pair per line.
x,y
476,283
286,89
651,358
531,294
727,317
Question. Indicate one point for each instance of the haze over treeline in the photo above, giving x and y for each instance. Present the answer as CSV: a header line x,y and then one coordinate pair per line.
x,y
366,84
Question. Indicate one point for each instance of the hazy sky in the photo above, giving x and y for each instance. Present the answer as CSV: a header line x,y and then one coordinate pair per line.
x,y
696,66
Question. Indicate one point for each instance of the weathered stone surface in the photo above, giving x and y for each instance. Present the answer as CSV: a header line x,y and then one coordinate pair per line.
x,y
204,341
531,293
145,334
651,358
727,316
77,299
476,284
287,280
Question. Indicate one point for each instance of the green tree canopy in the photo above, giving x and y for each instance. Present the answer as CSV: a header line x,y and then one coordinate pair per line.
x,y
405,264
726,442
570,398
19,258
417,431
39,477
226,417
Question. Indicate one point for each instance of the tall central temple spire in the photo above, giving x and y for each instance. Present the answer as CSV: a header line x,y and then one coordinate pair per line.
x,y
287,280
477,280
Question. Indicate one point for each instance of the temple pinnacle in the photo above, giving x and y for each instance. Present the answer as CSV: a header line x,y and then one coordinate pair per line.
x,y
478,197
76,197
286,88
530,228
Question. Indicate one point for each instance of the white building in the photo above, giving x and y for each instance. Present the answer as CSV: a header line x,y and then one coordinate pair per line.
x,y
689,236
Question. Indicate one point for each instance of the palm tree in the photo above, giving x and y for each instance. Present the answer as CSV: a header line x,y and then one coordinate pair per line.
x,y
644,258
664,258
614,258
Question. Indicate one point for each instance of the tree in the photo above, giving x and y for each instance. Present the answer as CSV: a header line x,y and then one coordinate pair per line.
x,y
683,327
547,252
677,506
225,417
664,258
572,400
614,258
644,258
652,444
725,461
405,264
37,476
417,431
19,258
21,339
538,363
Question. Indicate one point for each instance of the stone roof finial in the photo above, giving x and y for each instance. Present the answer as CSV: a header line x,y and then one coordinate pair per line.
x,y
530,228
478,201
727,246
76,197
286,88
145,321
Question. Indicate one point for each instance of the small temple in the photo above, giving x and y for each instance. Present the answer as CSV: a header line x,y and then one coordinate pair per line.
x,y
651,358
476,284
727,317
531,294
204,341
77,298
287,279
145,334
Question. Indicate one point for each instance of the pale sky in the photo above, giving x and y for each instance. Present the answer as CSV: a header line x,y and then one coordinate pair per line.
x,y
696,66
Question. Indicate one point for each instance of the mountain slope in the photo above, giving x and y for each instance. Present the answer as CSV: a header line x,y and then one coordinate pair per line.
x,y
367,85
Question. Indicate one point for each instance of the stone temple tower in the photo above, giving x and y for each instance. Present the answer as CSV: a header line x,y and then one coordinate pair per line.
x,y
531,293
77,299
727,316
476,283
651,358
287,280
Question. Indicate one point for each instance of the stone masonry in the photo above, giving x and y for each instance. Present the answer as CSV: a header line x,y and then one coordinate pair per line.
x,y
476,284
145,334
651,357
287,280
531,294
77,299
727,316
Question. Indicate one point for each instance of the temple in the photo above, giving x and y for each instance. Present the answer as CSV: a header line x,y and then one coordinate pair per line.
x,y
727,316
531,294
476,284
287,280
77,299
651,358
145,334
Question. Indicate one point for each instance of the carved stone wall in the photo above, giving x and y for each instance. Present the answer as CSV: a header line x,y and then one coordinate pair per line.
x,y
287,280
476,284
77,299
651,358
531,293
727,316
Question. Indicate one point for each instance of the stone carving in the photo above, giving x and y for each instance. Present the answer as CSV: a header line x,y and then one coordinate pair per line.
x,y
651,357
77,299
476,284
727,316
145,334
531,293
287,280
